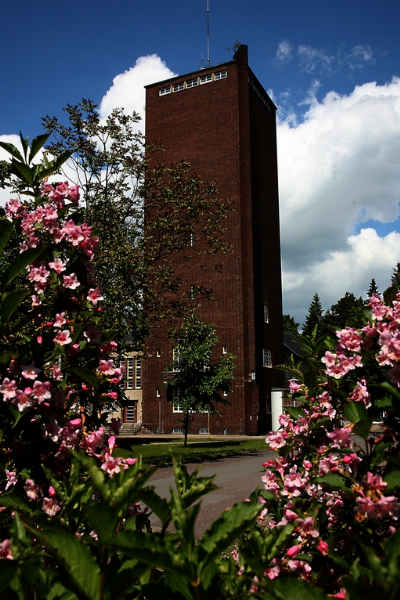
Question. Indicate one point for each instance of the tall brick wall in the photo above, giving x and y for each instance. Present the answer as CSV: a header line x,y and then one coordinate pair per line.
x,y
228,133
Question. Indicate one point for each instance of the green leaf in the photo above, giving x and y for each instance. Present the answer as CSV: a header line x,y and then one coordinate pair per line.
x,y
223,532
6,229
103,518
97,475
53,166
20,263
75,558
10,302
9,569
151,550
295,412
362,428
384,402
38,143
393,481
390,388
19,504
356,411
11,149
22,171
157,505
293,589
334,481
85,374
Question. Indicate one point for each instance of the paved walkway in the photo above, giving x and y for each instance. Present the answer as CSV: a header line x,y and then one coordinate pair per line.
x,y
236,478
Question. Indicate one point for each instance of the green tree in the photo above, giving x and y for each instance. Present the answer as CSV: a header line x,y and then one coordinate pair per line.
x,y
290,325
373,289
200,380
314,316
143,215
395,278
346,312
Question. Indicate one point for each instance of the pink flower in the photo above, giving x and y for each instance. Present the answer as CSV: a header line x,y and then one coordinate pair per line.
x,y
5,550
8,388
106,367
275,440
71,281
23,399
30,371
111,464
63,337
32,490
323,548
73,194
293,551
41,391
12,478
94,296
341,438
57,265
50,506
60,320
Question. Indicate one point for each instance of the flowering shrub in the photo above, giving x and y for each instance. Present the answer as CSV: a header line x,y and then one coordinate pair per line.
x,y
73,514
331,497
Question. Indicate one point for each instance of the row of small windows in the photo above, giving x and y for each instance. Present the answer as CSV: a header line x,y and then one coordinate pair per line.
x,y
133,373
191,83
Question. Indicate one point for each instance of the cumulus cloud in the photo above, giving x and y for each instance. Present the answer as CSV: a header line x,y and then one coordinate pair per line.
x,y
127,90
337,169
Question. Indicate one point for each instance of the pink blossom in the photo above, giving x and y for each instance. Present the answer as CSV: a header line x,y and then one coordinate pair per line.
x,y
50,506
111,464
73,194
8,388
63,337
41,391
272,573
293,551
293,387
341,438
30,371
275,440
106,367
57,265
323,548
350,339
94,296
52,492
93,440
36,301
32,490
12,478
108,348
386,506
5,550
60,320
71,281
14,207
23,399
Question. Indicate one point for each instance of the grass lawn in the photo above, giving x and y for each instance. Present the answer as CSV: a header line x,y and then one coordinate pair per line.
x,y
155,450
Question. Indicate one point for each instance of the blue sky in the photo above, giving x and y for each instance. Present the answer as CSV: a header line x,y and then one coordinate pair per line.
x,y
330,66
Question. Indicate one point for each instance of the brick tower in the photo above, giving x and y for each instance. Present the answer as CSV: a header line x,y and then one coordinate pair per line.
x,y
223,122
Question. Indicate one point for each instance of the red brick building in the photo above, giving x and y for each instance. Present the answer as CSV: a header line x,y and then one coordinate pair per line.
x,y
223,122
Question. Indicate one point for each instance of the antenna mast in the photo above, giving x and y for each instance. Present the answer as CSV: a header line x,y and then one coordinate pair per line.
x,y
208,35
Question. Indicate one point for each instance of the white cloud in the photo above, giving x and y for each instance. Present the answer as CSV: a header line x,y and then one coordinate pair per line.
x,y
313,60
127,90
337,169
358,57
284,52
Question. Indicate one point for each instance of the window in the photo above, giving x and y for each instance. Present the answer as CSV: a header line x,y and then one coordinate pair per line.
x,y
133,373
178,87
176,406
158,393
266,313
175,358
158,353
165,90
192,83
224,349
206,78
267,358
192,239
220,75
192,292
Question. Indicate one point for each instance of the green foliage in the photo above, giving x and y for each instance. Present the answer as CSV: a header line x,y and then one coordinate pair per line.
x,y
290,325
144,214
314,316
199,379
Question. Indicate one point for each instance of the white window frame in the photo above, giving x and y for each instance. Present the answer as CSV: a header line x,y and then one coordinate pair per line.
x,y
178,87
164,91
220,75
206,78
176,393
133,373
192,83
266,313
267,358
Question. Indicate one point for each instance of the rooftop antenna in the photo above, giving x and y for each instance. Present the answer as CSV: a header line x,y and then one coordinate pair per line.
x,y
208,35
